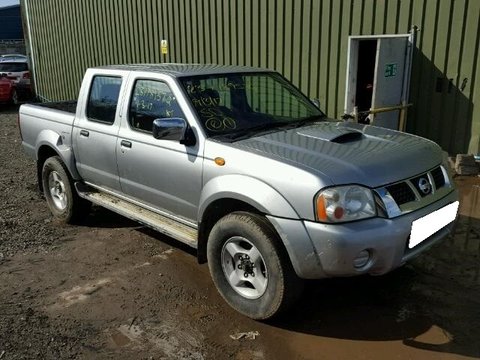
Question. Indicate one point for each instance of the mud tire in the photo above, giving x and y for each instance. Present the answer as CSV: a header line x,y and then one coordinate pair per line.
x,y
283,287
75,208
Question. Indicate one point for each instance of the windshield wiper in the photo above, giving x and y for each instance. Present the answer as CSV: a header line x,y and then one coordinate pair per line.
x,y
246,133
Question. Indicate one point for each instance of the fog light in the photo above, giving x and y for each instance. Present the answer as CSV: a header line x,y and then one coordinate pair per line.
x,y
362,259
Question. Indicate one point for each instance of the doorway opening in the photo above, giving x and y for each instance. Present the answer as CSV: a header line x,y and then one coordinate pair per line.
x,y
367,52
378,79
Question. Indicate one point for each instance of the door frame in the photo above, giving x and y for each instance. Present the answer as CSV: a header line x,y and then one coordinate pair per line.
x,y
352,66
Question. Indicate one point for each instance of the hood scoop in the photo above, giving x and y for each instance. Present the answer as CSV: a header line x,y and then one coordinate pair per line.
x,y
333,134
348,137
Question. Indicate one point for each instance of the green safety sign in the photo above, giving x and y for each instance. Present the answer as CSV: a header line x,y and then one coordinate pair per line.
x,y
390,70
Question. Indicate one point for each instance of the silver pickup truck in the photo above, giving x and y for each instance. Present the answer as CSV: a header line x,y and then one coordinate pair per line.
x,y
239,164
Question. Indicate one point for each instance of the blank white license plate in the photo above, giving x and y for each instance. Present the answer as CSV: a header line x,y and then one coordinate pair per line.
x,y
429,224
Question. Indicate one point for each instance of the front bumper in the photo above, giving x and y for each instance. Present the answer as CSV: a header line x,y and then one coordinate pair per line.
x,y
327,250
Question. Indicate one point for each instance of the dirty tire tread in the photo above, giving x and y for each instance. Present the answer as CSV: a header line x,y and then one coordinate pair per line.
x,y
288,286
77,208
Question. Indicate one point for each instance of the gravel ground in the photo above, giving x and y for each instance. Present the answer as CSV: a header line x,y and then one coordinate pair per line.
x,y
109,288
23,214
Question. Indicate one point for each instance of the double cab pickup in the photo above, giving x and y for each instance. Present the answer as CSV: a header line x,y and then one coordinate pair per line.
x,y
239,164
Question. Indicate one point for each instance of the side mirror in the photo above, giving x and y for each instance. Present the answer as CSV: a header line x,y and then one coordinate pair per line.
x,y
175,129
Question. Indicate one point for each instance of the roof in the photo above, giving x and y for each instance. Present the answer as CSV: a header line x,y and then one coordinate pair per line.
x,y
13,59
178,70
7,7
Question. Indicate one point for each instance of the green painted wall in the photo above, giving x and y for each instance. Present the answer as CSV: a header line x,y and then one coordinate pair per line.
x,y
306,40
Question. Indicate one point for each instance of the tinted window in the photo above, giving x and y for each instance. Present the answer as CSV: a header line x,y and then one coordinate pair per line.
x,y
13,67
103,99
152,100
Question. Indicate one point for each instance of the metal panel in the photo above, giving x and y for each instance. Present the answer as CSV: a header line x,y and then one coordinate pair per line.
x,y
305,40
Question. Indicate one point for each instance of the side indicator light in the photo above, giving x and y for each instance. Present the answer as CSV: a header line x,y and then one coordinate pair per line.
x,y
219,161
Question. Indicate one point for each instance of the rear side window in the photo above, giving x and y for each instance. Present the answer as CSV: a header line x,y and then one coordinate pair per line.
x,y
13,67
103,99
152,100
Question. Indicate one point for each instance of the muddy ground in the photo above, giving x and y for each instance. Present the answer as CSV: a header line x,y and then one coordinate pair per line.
x,y
110,288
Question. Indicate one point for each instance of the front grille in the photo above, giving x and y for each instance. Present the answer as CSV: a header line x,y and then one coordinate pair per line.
x,y
401,193
438,177
422,184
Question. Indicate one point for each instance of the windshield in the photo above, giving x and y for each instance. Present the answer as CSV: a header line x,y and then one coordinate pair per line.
x,y
230,105
13,67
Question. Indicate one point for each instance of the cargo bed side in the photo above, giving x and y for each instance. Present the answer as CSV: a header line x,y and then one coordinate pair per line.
x,y
48,128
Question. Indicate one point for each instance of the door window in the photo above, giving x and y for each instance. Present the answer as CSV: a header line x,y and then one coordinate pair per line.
x,y
103,99
152,100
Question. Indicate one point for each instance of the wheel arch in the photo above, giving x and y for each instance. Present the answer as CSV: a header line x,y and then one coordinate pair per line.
x,y
49,143
224,195
44,152
214,212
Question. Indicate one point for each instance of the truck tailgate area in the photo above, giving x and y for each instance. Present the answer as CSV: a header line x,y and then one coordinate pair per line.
x,y
46,123
65,106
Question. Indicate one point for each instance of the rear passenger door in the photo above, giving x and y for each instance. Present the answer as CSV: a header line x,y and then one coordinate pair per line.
x,y
163,174
95,131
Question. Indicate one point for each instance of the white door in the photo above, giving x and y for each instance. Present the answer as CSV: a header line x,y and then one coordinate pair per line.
x,y
378,79
392,75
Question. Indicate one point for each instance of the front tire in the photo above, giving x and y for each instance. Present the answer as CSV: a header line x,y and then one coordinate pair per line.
x,y
250,267
62,198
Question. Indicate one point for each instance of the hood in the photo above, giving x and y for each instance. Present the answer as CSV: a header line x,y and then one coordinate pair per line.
x,y
347,153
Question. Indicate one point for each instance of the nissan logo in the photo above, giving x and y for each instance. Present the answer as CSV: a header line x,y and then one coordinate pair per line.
x,y
424,186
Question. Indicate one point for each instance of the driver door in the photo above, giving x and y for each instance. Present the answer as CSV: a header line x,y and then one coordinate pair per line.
x,y
163,174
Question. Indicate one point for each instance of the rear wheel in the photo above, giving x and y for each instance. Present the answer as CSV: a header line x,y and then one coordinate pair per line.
x,y
61,196
14,97
250,267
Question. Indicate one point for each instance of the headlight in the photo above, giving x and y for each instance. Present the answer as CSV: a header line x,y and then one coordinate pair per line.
x,y
344,203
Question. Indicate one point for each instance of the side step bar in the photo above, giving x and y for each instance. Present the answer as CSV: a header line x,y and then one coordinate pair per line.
x,y
163,224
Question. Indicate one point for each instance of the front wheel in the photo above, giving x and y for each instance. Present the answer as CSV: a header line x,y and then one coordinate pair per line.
x,y
62,199
249,266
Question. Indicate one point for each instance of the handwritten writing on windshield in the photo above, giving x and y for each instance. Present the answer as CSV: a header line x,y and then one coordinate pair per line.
x,y
206,101
215,119
222,86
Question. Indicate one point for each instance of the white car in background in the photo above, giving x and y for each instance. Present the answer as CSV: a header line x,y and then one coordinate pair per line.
x,y
12,57
15,67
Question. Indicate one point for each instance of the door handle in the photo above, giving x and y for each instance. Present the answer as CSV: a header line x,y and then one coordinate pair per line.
x,y
84,133
126,144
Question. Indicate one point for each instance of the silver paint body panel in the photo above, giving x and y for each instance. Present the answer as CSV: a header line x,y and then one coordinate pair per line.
x,y
278,173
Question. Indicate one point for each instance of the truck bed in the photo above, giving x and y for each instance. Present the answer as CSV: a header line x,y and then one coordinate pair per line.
x,y
42,121
69,106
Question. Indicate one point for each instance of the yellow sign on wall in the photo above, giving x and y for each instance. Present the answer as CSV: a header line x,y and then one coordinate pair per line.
x,y
164,46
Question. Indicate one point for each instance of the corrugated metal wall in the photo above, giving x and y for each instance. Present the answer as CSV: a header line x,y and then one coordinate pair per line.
x,y
306,40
